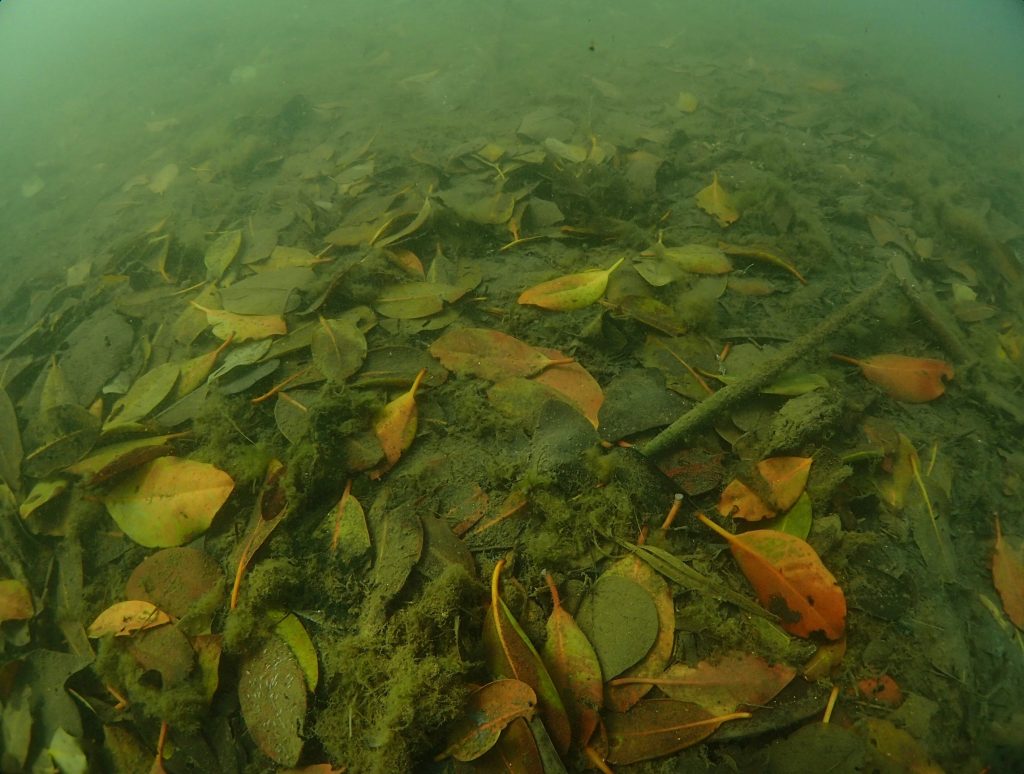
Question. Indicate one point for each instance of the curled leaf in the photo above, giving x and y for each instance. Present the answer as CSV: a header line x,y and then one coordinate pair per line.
x,y
909,379
573,291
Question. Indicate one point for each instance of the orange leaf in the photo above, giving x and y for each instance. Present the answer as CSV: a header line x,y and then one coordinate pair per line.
x,y
1008,576
510,654
124,618
489,709
573,291
717,203
784,478
659,727
395,428
909,379
575,384
489,354
736,679
574,668
789,579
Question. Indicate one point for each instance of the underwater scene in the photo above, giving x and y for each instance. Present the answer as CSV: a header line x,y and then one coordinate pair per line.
x,y
514,386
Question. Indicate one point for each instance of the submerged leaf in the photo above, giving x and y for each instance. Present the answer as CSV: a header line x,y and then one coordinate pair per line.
x,y
124,618
717,203
395,428
489,709
790,580
620,620
15,601
573,291
1008,576
784,479
169,501
221,253
243,327
659,727
909,379
489,354
734,680
272,697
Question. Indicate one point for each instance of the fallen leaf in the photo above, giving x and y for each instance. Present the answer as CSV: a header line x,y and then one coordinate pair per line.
x,y
395,428
290,629
789,579
784,479
760,254
11,451
515,753
1008,576
575,385
620,619
162,180
489,354
489,709
174,579
659,727
168,501
797,520
574,668
573,291
243,327
734,680
148,392
909,379
15,601
272,697
338,348
717,203
686,102
194,371
510,654
696,259
221,253
124,618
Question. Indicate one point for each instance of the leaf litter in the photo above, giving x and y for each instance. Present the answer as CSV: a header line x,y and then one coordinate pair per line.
x,y
281,391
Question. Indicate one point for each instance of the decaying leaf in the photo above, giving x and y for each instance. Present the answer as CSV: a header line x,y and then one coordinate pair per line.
x,y
717,203
790,580
573,291
168,501
15,601
909,379
124,618
489,709
659,727
489,354
1008,576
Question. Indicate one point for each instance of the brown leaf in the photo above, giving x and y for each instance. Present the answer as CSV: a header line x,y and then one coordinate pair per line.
x,y
909,379
1008,576
489,354
659,727
489,709
574,383
174,579
717,203
789,579
783,477
735,679
395,428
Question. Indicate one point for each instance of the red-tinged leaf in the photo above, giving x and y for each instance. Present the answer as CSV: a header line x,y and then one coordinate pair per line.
x,y
574,383
659,727
790,580
621,697
489,709
510,654
734,680
515,753
489,354
909,379
395,428
574,668
1008,576
784,479
573,291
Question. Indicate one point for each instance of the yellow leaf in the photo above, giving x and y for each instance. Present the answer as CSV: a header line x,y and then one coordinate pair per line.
x,y
124,618
573,291
244,327
717,203
396,426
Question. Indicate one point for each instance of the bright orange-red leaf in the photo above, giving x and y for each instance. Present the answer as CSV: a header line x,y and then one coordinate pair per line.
x,y
574,668
489,354
489,709
909,379
790,580
785,479
396,426
659,727
1008,576
883,690
573,291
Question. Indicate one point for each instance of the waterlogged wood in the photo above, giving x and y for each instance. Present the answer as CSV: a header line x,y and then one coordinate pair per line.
x,y
789,580
574,668
510,654
573,291
908,379
717,203
489,709
169,501
659,727
489,354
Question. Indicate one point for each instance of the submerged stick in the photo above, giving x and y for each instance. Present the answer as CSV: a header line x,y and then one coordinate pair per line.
x,y
704,412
